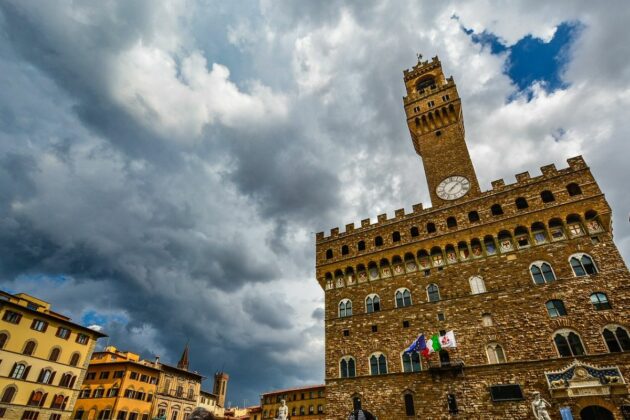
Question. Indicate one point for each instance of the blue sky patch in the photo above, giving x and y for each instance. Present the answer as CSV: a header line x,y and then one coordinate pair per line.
x,y
531,59
96,318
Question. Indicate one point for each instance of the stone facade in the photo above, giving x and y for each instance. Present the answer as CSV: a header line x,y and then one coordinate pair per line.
x,y
467,266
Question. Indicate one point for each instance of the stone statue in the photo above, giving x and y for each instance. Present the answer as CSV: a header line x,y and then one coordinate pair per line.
x,y
539,407
283,411
358,413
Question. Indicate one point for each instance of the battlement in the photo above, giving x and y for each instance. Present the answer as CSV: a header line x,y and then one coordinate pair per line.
x,y
421,68
523,179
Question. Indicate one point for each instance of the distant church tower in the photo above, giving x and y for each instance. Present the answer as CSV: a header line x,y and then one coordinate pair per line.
x,y
436,123
183,361
220,387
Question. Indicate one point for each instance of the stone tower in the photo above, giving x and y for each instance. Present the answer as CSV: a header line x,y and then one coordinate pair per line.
x,y
436,123
220,387
183,361
526,275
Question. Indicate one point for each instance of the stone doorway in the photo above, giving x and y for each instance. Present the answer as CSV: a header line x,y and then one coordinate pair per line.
x,y
596,412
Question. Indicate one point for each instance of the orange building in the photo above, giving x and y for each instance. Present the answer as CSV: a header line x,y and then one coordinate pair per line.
x,y
307,402
118,385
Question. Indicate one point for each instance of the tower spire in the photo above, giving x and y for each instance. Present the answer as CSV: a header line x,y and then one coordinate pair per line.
x,y
183,361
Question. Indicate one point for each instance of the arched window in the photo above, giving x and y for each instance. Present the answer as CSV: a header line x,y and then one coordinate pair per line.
x,y
29,348
555,308
428,83
378,364
568,343
74,360
301,411
403,298
414,232
396,237
8,394
378,241
496,210
547,196
54,354
574,189
19,371
345,308
4,337
488,243
409,406
293,411
372,303
486,320
345,250
473,216
45,376
411,362
311,409
600,301
67,380
347,367
521,203
617,338
433,292
361,246
329,254
495,353
451,222
582,264
476,285
541,272
431,227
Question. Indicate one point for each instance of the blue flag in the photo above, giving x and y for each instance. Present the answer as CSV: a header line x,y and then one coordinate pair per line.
x,y
418,345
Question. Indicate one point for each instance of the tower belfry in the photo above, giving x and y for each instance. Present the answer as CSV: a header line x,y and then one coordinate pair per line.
x,y
436,124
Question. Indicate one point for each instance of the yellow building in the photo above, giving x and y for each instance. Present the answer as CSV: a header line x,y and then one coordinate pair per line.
x,y
178,391
306,403
118,385
43,356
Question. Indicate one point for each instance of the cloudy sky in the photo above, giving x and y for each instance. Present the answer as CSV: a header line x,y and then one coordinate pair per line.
x,y
165,165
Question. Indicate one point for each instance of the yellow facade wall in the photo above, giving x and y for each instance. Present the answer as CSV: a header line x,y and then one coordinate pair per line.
x,y
64,380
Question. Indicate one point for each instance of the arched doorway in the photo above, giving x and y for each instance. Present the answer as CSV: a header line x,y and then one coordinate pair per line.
x,y
596,412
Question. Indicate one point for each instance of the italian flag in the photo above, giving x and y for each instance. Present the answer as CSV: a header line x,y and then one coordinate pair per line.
x,y
433,345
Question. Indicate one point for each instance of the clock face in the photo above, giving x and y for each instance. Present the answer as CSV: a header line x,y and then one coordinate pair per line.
x,y
453,187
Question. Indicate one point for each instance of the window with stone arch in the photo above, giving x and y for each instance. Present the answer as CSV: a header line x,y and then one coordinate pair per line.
x,y
495,353
74,359
29,348
54,354
616,338
568,343
476,285
8,394
433,292
347,367
345,308
600,301
378,364
555,308
582,264
4,337
541,272
372,303
411,361
403,298
19,371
